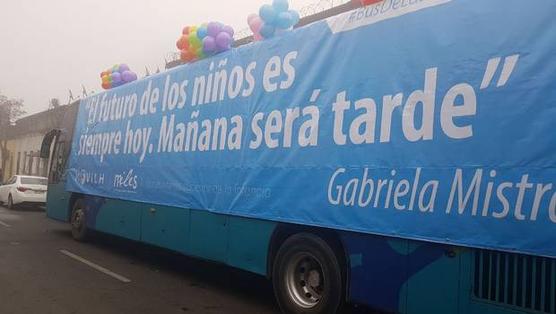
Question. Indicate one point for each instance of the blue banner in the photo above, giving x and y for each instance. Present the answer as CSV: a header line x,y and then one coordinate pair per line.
x,y
421,119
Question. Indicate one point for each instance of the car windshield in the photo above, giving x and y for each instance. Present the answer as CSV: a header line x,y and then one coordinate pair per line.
x,y
37,181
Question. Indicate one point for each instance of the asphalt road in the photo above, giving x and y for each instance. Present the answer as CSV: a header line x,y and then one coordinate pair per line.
x,y
36,277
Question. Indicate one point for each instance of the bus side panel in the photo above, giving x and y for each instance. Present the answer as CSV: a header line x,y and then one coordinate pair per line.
x,y
248,245
209,235
57,202
121,218
166,227
434,285
384,271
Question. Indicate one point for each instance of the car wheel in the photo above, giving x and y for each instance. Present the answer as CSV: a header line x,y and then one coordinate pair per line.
x,y
10,202
307,277
78,221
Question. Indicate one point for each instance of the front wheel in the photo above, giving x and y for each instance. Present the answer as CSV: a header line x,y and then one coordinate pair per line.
x,y
307,277
78,222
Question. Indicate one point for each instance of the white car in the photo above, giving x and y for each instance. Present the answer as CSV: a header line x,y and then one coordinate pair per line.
x,y
24,190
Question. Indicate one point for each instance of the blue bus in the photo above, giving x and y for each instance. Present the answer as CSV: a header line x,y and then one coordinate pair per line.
x,y
400,155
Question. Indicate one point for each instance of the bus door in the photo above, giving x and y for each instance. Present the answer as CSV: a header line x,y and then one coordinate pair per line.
x,y
55,147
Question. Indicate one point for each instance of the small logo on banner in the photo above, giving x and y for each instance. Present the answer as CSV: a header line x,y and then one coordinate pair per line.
x,y
126,181
381,11
85,177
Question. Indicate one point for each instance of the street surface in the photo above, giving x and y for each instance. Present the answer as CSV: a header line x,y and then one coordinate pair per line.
x,y
37,275
43,270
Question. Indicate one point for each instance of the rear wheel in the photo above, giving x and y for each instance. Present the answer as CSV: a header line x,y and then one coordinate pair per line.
x,y
307,277
10,202
78,221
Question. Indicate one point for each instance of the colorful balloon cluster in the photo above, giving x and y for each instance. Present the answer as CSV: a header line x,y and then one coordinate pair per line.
x,y
198,42
117,75
272,19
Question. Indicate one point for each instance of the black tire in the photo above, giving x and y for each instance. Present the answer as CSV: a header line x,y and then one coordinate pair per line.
x,y
10,202
78,221
307,276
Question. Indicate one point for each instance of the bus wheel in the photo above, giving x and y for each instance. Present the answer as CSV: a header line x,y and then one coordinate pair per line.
x,y
79,222
306,276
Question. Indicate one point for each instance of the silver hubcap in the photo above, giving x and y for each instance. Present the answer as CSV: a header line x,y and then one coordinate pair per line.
x,y
305,280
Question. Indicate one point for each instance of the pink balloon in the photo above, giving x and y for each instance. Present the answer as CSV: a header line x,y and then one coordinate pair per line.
x,y
256,24
257,37
251,17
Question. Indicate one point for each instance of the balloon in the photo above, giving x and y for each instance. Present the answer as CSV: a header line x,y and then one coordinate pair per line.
x,y
123,67
284,20
106,85
280,5
267,31
116,77
199,53
223,41
106,78
202,32
194,40
209,44
213,29
228,29
256,24
251,17
182,42
267,13
185,55
126,76
185,30
257,37
295,17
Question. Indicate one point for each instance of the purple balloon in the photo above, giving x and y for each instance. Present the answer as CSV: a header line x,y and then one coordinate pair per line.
x,y
116,77
123,68
223,41
213,28
228,29
209,44
127,76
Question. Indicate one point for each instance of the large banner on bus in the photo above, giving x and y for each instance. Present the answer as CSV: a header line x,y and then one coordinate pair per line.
x,y
429,119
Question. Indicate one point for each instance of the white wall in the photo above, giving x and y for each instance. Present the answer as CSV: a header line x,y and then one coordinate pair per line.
x,y
26,146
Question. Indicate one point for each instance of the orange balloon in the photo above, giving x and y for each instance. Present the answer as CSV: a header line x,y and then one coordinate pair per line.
x,y
185,30
185,56
106,85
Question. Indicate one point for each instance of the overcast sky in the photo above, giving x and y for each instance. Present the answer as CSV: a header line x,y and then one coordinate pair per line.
x,y
50,47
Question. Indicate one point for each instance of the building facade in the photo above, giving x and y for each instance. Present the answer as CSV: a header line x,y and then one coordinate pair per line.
x,y
23,144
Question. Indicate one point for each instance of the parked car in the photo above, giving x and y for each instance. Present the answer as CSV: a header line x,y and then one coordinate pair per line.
x,y
26,190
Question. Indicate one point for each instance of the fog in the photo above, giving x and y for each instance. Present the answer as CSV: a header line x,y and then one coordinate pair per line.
x,y
51,47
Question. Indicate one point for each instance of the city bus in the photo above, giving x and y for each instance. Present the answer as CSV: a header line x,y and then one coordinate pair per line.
x,y
400,155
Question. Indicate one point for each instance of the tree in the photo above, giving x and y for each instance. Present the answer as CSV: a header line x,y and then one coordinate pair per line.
x,y
10,110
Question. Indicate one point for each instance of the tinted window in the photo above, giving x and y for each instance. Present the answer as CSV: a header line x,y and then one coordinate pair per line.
x,y
38,181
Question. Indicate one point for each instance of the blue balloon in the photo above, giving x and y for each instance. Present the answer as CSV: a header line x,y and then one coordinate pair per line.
x,y
268,14
295,17
267,31
202,32
284,20
280,5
